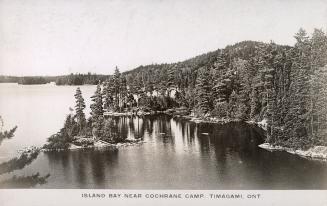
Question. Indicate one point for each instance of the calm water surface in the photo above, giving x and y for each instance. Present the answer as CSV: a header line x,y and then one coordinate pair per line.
x,y
176,154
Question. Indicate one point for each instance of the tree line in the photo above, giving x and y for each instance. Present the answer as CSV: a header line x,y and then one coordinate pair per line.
x,y
252,81
80,79
248,81
32,80
71,79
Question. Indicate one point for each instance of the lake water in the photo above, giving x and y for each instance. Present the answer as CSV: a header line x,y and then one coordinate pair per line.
x,y
176,154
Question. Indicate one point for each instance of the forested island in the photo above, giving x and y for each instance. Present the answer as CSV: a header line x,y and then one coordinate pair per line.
x,y
249,81
79,132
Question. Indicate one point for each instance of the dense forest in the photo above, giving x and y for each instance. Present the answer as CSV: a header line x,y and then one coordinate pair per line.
x,y
247,81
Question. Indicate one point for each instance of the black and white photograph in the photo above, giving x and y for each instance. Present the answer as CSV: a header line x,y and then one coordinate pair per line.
x,y
163,95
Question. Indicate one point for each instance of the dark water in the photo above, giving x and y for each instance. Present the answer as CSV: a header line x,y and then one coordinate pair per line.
x,y
179,154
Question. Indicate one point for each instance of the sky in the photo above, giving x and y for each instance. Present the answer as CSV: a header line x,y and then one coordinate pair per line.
x,y
54,37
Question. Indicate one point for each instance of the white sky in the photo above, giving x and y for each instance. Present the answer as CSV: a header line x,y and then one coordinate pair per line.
x,y
51,37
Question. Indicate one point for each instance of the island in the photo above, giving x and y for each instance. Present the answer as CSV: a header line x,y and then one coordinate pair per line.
x,y
280,86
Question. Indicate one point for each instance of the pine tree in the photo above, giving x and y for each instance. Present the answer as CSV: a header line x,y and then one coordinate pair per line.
x,y
232,109
123,92
317,109
220,97
268,84
149,87
220,87
25,158
117,83
108,93
203,90
162,83
97,112
180,98
71,128
170,84
254,104
260,64
79,107
6,134
277,96
318,41
97,105
98,127
298,117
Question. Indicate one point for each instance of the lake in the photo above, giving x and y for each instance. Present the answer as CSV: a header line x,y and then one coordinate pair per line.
x,y
176,154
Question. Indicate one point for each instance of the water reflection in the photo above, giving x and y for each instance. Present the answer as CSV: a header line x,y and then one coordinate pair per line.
x,y
86,168
176,154
29,181
179,154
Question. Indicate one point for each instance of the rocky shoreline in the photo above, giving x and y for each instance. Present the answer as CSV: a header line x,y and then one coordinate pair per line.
x,y
206,119
132,113
178,113
100,144
316,152
262,124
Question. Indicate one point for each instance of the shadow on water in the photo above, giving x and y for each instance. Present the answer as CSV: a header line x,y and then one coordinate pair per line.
x,y
19,163
179,154
85,167
29,181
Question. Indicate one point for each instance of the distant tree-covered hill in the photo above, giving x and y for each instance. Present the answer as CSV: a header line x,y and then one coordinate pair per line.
x,y
71,79
284,85
33,80
80,79
8,79
252,81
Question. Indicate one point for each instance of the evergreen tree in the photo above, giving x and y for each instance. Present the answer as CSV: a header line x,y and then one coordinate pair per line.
x,y
149,87
79,107
180,98
318,109
97,112
221,79
97,105
254,104
203,90
117,84
6,134
298,117
98,127
123,92
108,93
25,158
170,84
71,128
232,105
